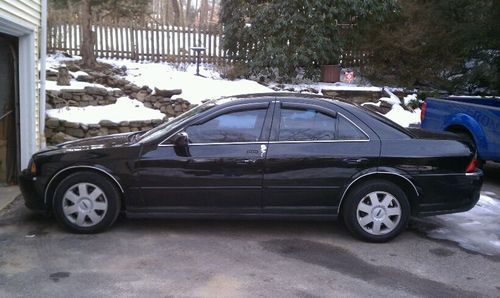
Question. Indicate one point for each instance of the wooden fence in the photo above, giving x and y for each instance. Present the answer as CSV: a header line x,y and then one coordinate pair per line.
x,y
154,42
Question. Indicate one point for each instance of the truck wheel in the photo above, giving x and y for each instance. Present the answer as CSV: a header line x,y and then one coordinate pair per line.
x,y
376,211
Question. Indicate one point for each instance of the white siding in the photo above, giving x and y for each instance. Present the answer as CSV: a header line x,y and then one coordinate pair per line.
x,y
27,13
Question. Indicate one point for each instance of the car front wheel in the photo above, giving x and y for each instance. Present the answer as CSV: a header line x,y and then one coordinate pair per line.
x,y
86,202
376,211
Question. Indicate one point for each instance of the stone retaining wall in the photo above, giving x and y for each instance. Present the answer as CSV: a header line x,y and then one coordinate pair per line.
x,y
58,131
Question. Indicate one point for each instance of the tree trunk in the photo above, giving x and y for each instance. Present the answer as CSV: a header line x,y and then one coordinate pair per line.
x,y
212,12
88,40
177,10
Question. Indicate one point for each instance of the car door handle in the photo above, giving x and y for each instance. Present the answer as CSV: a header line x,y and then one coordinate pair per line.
x,y
355,161
245,162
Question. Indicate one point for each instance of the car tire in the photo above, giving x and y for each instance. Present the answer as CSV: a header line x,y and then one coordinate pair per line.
x,y
376,211
86,203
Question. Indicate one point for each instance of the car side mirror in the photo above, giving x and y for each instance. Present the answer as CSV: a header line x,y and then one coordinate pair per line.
x,y
181,144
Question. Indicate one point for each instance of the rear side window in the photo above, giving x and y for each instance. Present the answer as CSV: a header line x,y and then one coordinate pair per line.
x,y
306,125
241,126
348,131
297,124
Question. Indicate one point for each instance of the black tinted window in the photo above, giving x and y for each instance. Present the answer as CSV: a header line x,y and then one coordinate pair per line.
x,y
306,125
244,126
348,131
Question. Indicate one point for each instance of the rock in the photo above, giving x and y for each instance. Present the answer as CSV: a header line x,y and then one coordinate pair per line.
x,y
93,132
63,77
75,132
94,126
135,123
167,93
124,129
170,110
124,123
73,103
73,67
141,95
178,108
156,122
144,128
134,129
52,123
71,124
95,90
86,97
61,138
113,131
103,131
85,78
107,123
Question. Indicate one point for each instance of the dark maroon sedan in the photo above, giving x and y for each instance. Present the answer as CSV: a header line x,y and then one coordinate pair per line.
x,y
259,156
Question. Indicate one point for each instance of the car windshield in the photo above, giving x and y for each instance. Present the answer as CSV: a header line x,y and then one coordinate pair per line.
x,y
162,128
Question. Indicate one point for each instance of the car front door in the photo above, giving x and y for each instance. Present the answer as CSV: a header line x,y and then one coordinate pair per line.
x,y
220,169
313,152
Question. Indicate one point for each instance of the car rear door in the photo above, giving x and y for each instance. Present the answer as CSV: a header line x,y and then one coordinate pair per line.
x,y
313,152
222,170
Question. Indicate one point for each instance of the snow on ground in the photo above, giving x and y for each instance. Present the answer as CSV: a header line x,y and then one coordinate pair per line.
x,y
476,230
403,117
195,88
124,109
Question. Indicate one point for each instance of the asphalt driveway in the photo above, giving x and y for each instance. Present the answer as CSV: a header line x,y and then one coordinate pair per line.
x,y
219,258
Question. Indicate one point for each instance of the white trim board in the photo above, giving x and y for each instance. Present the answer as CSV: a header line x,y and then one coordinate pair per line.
x,y
27,85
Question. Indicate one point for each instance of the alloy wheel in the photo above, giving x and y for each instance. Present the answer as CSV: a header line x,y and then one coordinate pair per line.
x,y
378,213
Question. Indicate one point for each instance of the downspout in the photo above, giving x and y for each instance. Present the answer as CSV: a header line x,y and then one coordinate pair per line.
x,y
43,55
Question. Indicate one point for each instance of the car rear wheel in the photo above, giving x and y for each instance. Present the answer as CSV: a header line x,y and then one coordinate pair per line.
x,y
86,202
376,211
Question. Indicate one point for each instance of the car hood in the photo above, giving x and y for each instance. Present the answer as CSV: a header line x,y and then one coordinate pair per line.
x,y
115,140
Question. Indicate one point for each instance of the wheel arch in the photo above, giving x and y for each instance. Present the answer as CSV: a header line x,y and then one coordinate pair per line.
x,y
409,188
58,177
463,123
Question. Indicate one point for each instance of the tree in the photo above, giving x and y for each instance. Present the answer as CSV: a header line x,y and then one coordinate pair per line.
x,y
90,10
291,35
446,44
88,39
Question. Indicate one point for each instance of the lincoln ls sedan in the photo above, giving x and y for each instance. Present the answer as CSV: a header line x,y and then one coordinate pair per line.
x,y
276,155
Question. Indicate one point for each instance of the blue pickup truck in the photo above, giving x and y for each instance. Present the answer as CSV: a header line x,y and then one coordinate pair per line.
x,y
476,118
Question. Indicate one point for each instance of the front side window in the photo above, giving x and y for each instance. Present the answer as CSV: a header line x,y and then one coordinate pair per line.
x,y
304,124
241,126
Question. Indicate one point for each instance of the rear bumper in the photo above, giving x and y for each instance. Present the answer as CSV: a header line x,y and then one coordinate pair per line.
x,y
452,193
33,198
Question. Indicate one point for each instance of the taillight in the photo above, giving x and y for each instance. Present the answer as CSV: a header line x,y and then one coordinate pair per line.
x,y
423,109
472,165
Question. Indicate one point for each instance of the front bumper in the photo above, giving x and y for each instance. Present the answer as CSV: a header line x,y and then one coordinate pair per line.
x,y
32,194
453,193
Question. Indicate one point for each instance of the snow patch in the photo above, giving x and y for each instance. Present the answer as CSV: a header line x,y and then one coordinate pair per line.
x,y
476,230
402,116
124,109
195,89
